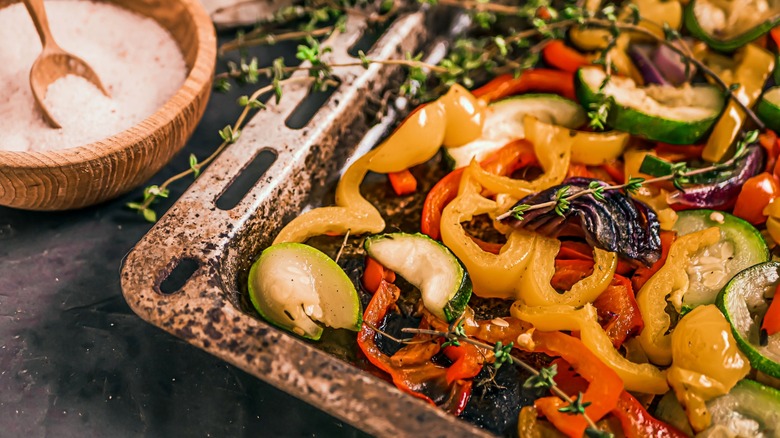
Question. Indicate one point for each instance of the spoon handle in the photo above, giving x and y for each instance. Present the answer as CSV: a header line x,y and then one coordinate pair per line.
x,y
38,13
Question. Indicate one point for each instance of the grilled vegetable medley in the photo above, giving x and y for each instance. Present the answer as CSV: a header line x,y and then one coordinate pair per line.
x,y
595,252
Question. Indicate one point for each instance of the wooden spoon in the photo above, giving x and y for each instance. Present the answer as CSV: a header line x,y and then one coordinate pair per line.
x,y
53,62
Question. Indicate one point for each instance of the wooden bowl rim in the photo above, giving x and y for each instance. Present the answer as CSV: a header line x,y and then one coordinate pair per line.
x,y
199,75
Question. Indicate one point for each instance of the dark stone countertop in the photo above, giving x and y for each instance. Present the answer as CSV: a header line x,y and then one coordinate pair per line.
x,y
76,361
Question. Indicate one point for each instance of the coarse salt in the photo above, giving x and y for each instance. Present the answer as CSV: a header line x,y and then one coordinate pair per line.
x,y
137,60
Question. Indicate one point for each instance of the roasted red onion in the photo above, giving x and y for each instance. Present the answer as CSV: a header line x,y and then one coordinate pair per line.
x,y
641,55
722,190
618,224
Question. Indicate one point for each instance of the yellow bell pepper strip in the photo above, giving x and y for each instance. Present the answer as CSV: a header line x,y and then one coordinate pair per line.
x,y
654,14
672,278
644,378
552,147
657,13
534,287
750,68
706,362
597,148
464,117
454,117
772,211
492,275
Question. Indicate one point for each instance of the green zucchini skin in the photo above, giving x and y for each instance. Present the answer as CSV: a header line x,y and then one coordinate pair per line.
x,y
768,108
749,248
736,304
729,45
408,254
651,127
747,400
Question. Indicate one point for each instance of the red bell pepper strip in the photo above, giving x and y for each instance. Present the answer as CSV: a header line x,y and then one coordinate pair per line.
x,y
578,170
466,360
440,195
569,272
571,250
614,169
771,323
374,273
616,306
511,157
403,182
425,380
674,152
769,141
491,247
515,155
635,421
618,310
643,273
603,391
538,79
755,195
559,55
638,423
775,34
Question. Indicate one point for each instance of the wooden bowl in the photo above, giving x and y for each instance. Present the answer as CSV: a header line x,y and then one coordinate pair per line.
x,y
95,172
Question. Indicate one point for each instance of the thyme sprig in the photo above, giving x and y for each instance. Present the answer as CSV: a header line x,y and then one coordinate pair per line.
x,y
679,175
320,77
229,135
540,379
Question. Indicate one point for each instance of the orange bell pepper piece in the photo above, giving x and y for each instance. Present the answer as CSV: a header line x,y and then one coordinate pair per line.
x,y
403,182
559,55
535,79
602,393
755,195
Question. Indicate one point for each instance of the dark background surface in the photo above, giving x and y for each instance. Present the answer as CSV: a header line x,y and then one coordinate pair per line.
x,y
76,361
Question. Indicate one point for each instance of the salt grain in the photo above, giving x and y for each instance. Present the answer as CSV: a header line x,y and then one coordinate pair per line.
x,y
137,60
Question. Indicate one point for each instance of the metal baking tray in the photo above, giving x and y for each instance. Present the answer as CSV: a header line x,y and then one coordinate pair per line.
x,y
219,244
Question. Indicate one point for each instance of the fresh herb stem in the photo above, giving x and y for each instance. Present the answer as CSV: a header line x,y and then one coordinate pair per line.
x,y
410,63
250,40
235,128
561,202
491,348
686,54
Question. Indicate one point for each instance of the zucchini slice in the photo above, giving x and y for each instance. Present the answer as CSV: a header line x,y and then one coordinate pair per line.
x,y
744,301
741,246
727,25
676,115
768,108
294,287
504,123
750,409
429,266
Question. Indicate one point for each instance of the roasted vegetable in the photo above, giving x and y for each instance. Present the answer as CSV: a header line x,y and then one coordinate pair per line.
x,y
428,265
739,247
750,67
671,278
617,224
745,301
297,287
768,108
706,362
640,377
719,189
421,377
729,24
656,112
